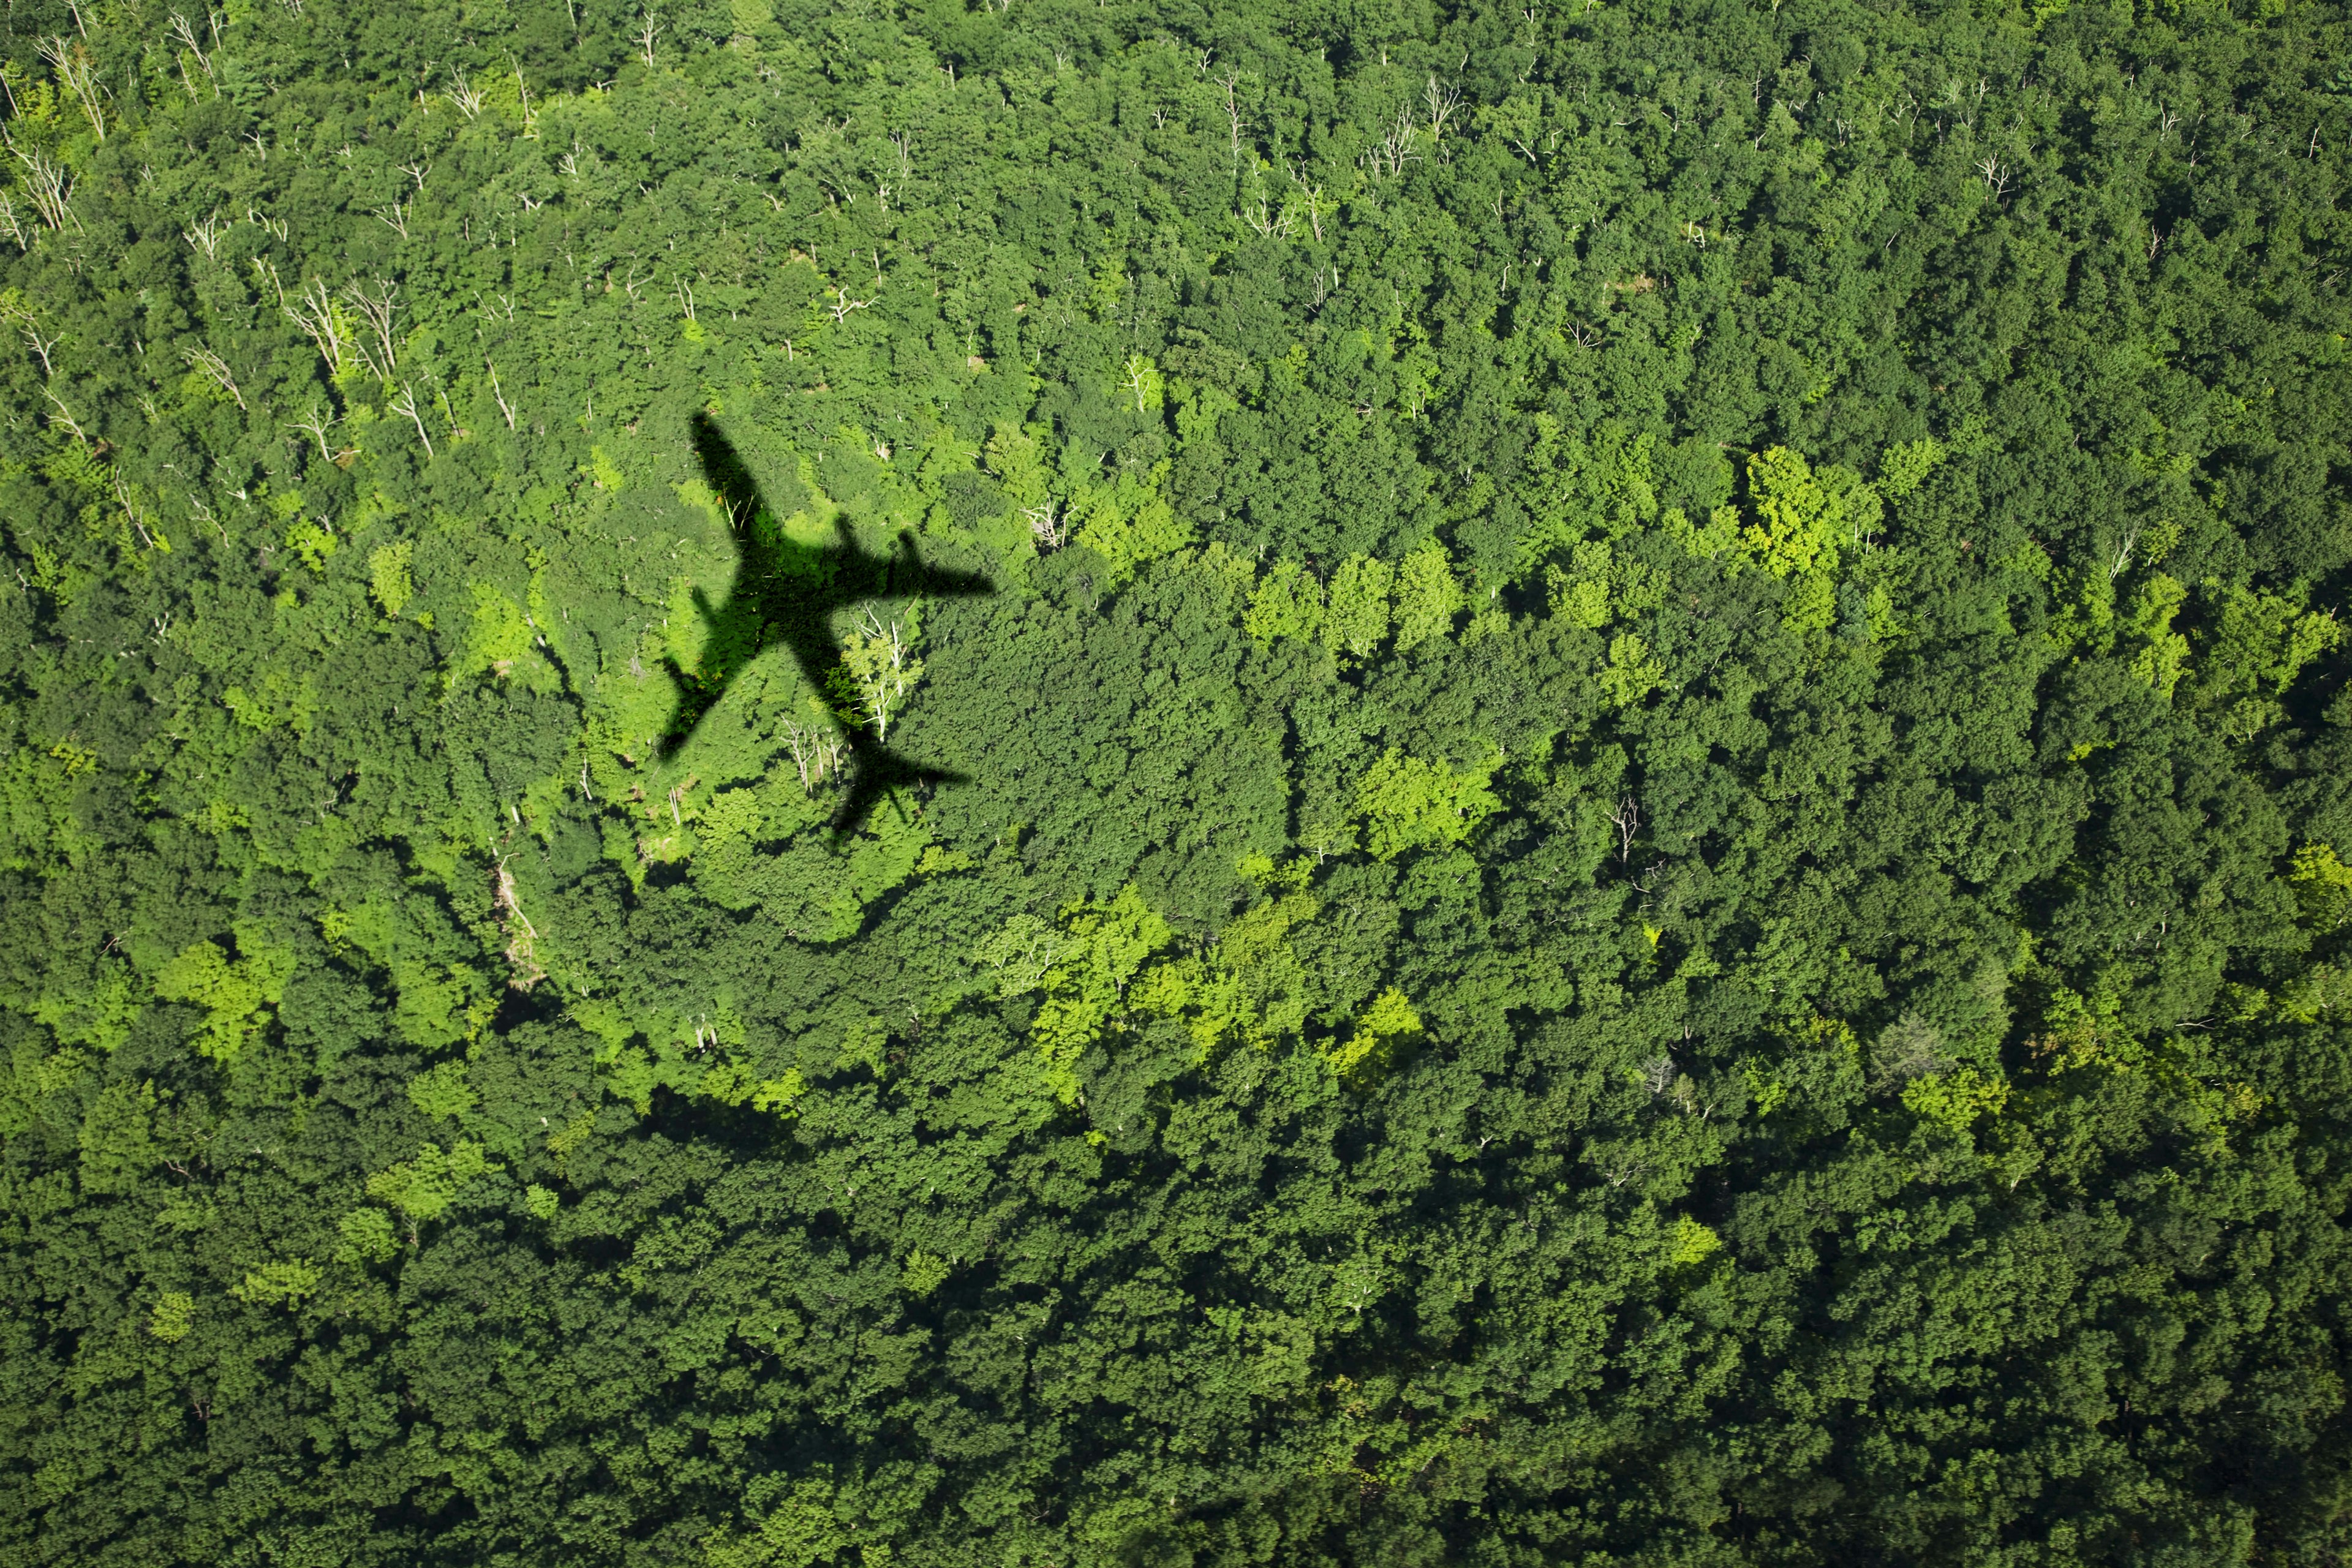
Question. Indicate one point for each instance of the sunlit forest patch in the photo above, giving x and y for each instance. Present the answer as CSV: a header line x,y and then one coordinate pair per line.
x,y
1090,781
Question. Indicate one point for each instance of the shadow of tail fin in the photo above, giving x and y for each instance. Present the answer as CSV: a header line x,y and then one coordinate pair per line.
x,y
880,772
911,574
723,468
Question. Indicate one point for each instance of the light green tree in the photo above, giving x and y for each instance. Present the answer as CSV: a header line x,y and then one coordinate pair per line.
x,y
1287,603
1387,1022
234,992
1797,522
1631,673
1579,591
1358,618
1405,802
1428,597
424,1188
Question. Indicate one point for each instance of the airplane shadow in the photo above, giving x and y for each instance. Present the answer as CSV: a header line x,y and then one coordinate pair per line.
x,y
785,593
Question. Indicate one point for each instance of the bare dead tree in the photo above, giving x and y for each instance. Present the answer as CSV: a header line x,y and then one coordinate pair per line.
x,y
1442,102
79,72
41,346
267,270
881,666
186,35
842,304
1396,148
128,499
464,94
64,418
45,181
1623,1168
499,393
216,368
315,424
1051,530
1694,1100
522,92
646,33
1265,221
1628,820
378,310
1312,196
522,936
314,312
23,316
817,751
205,234
405,405
1659,1074
2122,562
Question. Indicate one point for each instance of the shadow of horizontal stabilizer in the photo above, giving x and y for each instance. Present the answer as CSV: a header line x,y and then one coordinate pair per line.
x,y
785,593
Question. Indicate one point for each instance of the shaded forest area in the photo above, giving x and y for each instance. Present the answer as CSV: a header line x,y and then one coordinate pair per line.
x,y
1639,855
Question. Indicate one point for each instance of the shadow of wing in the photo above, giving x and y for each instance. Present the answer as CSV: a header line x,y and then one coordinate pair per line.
x,y
732,626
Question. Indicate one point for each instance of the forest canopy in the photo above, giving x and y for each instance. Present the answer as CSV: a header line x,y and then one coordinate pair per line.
x,y
1113,782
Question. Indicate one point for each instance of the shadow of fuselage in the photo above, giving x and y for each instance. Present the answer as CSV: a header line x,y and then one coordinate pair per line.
x,y
786,592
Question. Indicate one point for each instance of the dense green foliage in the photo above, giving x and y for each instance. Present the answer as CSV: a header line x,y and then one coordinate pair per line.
x,y
1638,855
